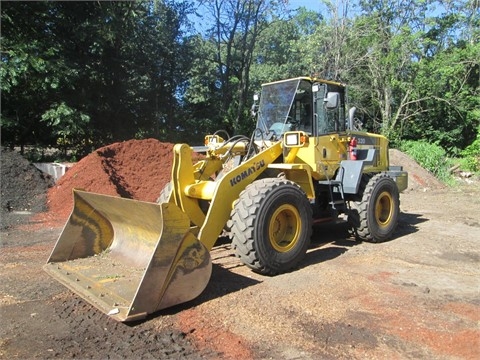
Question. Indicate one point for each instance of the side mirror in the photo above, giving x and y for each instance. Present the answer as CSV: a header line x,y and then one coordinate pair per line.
x,y
254,108
354,123
351,117
331,100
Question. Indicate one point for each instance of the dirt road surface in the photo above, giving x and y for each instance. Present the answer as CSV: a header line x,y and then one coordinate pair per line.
x,y
416,296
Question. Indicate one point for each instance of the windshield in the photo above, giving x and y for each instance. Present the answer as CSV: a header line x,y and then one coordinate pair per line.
x,y
274,108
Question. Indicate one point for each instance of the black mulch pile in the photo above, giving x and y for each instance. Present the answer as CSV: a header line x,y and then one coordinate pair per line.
x,y
23,189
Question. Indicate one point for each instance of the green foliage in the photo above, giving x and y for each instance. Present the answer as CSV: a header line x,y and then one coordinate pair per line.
x,y
90,73
471,155
430,156
67,124
450,88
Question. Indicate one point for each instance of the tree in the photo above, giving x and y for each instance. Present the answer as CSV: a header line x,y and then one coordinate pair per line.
x,y
281,52
232,36
328,50
410,57
449,84
32,71
90,73
101,71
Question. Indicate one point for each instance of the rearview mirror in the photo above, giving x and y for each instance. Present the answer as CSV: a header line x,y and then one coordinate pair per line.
x,y
331,100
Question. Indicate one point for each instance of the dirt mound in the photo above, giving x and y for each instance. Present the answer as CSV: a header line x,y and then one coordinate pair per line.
x,y
418,177
134,169
23,187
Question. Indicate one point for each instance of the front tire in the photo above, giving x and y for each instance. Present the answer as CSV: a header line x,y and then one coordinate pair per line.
x,y
374,218
271,225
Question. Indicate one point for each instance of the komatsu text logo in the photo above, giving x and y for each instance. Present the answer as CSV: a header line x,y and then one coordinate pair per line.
x,y
246,173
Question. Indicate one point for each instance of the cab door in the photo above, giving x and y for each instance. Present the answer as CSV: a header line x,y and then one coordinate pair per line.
x,y
329,109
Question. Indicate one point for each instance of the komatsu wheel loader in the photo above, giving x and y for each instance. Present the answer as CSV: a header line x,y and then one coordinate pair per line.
x,y
305,163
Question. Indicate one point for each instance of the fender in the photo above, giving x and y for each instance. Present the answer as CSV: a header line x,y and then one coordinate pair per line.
x,y
300,174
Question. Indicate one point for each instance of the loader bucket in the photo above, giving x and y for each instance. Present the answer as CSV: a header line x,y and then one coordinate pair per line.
x,y
129,258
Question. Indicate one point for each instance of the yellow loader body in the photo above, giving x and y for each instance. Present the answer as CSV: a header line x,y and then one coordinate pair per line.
x,y
301,165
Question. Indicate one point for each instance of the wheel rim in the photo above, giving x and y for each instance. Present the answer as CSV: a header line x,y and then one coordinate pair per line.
x,y
284,228
384,209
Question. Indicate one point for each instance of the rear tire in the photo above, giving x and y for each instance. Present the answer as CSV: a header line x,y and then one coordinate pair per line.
x,y
271,225
374,218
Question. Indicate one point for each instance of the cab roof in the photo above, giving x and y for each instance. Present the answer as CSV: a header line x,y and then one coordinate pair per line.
x,y
310,79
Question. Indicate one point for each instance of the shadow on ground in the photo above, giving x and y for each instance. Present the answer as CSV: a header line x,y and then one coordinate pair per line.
x,y
408,224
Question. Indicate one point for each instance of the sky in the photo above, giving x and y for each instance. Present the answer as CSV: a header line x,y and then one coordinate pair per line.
x,y
314,5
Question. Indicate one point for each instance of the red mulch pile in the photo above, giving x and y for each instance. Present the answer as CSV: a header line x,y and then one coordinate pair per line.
x,y
135,169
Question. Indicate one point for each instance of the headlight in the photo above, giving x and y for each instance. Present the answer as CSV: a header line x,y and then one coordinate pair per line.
x,y
292,139
213,140
295,139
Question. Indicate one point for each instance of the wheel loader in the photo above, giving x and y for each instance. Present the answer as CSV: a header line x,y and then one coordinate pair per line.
x,y
305,163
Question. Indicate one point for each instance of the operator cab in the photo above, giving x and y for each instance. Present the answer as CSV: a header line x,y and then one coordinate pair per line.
x,y
311,105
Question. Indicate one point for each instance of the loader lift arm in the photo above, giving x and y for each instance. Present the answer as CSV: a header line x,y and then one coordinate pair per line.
x,y
221,193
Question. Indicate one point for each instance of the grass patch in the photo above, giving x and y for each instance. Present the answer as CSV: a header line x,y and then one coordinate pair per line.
x,y
431,157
